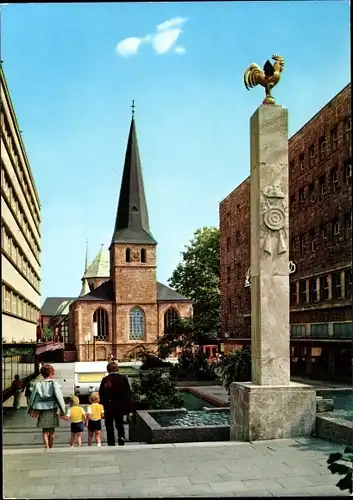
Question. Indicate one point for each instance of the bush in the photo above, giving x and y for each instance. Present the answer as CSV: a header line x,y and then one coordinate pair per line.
x,y
155,391
346,483
193,366
234,367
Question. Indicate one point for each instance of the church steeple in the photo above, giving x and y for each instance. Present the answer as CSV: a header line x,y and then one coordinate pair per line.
x,y
85,287
132,224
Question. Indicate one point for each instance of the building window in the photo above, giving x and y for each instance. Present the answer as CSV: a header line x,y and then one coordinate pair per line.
x,y
137,324
312,237
228,244
171,316
298,331
312,154
302,161
237,236
128,255
228,274
293,294
335,179
100,317
343,330
324,233
348,172
143,255
323,186
348,129
323,148
13,303
336,285
302,292
348,284
238,209
302,196
319,330
334,139
336,230
303,244
311,192
312,290
238,271
348,226
64,330
229,306
323,288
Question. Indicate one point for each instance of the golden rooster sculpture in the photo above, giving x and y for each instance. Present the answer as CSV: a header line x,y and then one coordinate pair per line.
x,y
268,77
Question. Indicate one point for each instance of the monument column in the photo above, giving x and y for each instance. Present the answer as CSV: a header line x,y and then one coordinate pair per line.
x,y
270,406
269,246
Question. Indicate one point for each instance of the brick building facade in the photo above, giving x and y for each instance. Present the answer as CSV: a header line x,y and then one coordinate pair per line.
x,y
121,303
320,210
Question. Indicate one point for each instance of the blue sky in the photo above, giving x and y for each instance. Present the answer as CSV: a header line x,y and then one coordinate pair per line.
x,y
72,82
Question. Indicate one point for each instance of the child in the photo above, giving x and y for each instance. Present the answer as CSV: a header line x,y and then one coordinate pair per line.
x,y
77,416
18,388
95,413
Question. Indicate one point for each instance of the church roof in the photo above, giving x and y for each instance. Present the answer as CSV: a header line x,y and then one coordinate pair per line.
x,y
99,267
106,292
85,287
56,306
132,224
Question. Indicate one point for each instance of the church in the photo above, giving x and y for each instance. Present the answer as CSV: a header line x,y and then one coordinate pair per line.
x,y
121,303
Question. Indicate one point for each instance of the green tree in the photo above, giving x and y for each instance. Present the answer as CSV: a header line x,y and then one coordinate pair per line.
x,y
197,277
155,391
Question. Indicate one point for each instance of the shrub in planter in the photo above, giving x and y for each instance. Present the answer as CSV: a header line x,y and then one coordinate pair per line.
x,y
234,367
154,390
344,469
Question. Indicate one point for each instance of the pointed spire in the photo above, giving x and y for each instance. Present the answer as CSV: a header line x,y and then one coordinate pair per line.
x,y
86,257
132,224
85,287
99,267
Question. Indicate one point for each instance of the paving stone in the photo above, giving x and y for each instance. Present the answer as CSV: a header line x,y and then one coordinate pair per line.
x,y
173,481
206,478
325,491
227,487
307,480
262,484
194,490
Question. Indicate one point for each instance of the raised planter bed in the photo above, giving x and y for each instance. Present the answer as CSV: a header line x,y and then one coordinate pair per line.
x,y
335,429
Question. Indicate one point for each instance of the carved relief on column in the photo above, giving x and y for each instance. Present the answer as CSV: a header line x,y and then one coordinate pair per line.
x,y
273,233
343,284
318,289
297,291
329,285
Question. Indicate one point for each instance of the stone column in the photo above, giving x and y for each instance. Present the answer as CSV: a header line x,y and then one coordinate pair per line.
x,y
270,407
269,246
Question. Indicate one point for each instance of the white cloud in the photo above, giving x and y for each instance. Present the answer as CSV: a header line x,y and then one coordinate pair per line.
x,y
162,41
129,46
179,50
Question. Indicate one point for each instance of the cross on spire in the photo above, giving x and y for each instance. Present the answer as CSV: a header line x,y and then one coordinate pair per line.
x,y
133,108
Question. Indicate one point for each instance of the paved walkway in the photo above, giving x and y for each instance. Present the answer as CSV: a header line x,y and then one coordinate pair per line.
x,y
267,468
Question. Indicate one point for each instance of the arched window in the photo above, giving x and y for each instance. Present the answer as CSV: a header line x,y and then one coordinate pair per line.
x,y
137,324
100,317
128,255
143,255
170,317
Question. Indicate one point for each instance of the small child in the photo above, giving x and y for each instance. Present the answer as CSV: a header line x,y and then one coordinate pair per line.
x,y
77,416
95,413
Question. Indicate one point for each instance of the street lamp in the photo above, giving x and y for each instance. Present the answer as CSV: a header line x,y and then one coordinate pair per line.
x,y
94,335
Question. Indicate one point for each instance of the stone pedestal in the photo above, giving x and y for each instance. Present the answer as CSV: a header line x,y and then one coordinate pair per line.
x,y
270,407
271,411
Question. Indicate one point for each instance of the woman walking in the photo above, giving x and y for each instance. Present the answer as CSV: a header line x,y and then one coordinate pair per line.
x,y
45,402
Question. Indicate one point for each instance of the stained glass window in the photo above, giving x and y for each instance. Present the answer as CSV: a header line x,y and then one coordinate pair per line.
x,y
101,318
137,324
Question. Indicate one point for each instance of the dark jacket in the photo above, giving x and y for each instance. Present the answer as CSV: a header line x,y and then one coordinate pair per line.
x,y
115,394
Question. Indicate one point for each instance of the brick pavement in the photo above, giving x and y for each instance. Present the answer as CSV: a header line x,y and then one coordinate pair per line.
x,y
268,468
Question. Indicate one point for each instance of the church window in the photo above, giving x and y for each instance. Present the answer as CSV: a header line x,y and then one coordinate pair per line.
x,y
143,255
128,255
137,324
171,316
101,318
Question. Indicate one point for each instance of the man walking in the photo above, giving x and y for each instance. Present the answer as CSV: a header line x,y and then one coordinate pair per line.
x,y
116,397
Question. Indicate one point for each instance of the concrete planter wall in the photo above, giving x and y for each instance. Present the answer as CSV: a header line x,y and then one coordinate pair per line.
x,y
335,429
145,429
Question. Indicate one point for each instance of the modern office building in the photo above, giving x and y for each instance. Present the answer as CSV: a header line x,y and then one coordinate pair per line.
x,y
20,236
320,211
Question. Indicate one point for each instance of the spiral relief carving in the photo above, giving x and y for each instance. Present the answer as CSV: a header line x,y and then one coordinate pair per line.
x,y
274,218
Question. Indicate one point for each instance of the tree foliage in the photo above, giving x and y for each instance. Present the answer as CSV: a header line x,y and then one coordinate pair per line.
x,y
234,367
197,277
